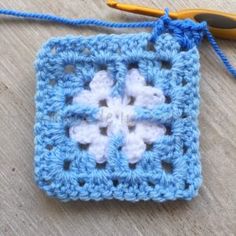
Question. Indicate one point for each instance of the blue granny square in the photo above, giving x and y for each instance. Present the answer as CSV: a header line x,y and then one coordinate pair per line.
x,y
116,117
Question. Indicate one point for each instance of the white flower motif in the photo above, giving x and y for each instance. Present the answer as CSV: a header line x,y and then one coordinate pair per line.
x,y
117,115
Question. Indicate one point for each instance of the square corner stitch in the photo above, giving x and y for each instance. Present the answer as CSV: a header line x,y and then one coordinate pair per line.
x,y
116,119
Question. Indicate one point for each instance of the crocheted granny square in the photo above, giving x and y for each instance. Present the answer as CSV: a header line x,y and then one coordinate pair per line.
x,y
116,118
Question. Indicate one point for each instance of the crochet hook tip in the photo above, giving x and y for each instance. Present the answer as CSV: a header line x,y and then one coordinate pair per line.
x,y
111,3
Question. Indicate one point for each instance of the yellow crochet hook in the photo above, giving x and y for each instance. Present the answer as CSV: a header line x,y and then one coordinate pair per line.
x,y
221,24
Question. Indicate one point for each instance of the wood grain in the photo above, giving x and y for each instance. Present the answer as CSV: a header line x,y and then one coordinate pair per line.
x,y
25,210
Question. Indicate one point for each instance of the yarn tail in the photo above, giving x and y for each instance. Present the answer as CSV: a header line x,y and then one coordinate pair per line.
x,y
229,67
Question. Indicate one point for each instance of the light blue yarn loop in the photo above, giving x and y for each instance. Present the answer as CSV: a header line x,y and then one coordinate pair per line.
x,y
160,25
180,28
187,32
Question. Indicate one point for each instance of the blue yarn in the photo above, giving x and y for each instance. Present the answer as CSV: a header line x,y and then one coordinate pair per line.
x,y
220,54
76,22
157,26
65,171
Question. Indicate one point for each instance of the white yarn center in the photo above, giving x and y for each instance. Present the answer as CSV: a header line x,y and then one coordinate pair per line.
x,y
116,116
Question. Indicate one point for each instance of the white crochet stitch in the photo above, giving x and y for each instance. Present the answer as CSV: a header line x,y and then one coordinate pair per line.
x,y
117,116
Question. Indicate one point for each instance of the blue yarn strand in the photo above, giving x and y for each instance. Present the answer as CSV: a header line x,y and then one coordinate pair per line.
x,y
220,54
107,24
76,22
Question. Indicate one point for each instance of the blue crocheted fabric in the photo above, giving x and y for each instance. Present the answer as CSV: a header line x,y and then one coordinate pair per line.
x,y
116,116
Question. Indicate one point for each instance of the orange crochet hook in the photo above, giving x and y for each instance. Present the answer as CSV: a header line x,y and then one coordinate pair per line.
x,y
221,24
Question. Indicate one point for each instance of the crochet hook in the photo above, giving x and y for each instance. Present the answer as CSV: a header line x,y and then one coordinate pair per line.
x,y
221,24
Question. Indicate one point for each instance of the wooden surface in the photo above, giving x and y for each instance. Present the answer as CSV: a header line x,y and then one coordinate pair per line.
x,y
25,210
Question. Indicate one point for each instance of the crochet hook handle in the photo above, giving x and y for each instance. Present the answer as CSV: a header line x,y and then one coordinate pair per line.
x,y
221,24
